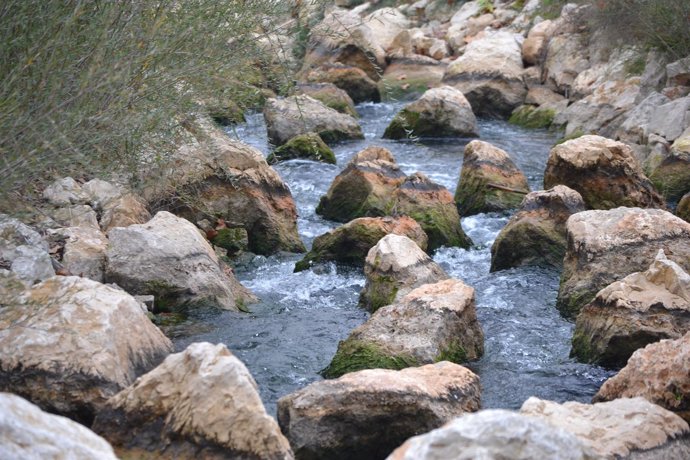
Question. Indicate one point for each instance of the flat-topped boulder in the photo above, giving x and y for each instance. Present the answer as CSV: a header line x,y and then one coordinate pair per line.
x,y
28,433
434,322
350,243
658,373
629,314
605,172
307,146
295,115
535,235
606,246
393,268
489,180
624,428
169,258
200,403
366,414
69,343
440,112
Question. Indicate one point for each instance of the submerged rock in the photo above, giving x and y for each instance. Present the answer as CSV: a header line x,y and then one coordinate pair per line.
x,y
393,268
434,322
440,112
606,246
640,309
366,414
169,258
603,171
536,234
489,180
28,433
69,343
351,242
658,373
200,403
309,146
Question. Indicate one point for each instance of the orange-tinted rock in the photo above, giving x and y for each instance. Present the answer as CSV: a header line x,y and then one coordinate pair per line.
x,y
353,80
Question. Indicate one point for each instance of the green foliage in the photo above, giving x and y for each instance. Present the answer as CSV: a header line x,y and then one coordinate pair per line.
x,y
309,146
551,9
486,6
635,66
356,355
532,117
454,353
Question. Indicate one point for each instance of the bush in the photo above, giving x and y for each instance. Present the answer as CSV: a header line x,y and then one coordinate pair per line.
x,y
86,87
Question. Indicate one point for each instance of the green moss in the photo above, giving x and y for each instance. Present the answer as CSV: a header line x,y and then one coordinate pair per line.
x,y
309,146
356,355
164,295
382,292
454,353
168,319
571,305
402,126
635,66
672,178
228,114
532,117
574,135
486,6
582,347
440,229
233,240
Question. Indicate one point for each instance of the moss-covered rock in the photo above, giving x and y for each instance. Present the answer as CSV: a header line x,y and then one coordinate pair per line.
x,y
529,116
683,208
226,114
354,355
409,77
308,146
354,81
331,96
672,176
233,240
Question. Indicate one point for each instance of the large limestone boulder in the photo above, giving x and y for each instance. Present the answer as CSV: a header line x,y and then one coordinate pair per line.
x,y
330,95
440,112
494,434
658,373
28,433
169,258
84,251
295,115
350,243
489,74
200,403
435,322
366,414
489,180
70,343
535,235
624,428
23,251
353,80
629,314
605,172
606,246
393,268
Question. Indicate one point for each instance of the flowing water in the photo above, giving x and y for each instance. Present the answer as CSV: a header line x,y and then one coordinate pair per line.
x,y
294,331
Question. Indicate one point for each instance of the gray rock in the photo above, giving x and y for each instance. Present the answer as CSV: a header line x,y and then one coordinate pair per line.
x,y
84,251
23,251
76,216
64,192
100,193
678,72
671,119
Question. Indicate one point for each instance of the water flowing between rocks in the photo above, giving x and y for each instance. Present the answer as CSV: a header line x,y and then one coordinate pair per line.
x,y
294,332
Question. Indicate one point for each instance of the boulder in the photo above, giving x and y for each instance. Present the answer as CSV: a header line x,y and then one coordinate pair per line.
x,y
434,322
23,251
295,115
634,128
99,193
566,57
28,433
624,428
385,24
366,414
330,96
81,215
70,343
84,251
678,72
393,268
410,76
606,246
64,192
124,211
489,74
353,80
494,434
640,309
605,172
458,35
536,234
534,46
658,373
308,146
670,120
529,116
440,112
350,243
489,180
169,258
543,96
200,403
672,176
683,208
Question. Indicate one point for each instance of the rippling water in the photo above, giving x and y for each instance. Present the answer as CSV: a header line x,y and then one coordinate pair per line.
x,y
294,332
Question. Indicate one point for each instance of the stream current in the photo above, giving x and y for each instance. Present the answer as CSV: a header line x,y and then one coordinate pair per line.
x,y
294,331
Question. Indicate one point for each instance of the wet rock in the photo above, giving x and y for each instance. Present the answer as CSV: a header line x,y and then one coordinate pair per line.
x,y
84,251
351,242
23,251
28,433
603,171
353,80
534,46
536,234
435,322
200,403
489,180
409,77
170,259
330,96
489,74
308,146
124,211
393,268
640,309
70,343
494,434
295,115
683,208
76,216
606,246
624,428
366,414
440,112
658,373
64,192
